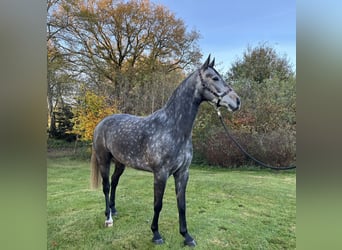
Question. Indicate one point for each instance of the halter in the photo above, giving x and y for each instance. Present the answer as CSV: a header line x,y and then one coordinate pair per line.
x,y
219,96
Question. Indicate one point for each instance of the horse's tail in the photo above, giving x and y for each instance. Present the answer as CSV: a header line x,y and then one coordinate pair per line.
x,y
95,170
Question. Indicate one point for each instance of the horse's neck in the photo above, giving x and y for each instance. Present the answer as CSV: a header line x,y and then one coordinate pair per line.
x,y
182,107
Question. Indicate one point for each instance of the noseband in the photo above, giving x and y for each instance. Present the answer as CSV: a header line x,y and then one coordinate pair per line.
x,y
219,96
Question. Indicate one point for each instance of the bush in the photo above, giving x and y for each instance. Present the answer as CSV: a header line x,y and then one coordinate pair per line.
x,y
91,109
276,148
76,150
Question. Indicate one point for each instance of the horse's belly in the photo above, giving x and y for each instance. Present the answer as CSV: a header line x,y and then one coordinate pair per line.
x,y
130,155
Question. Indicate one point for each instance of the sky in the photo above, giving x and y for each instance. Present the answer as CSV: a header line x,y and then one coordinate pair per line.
x,y
227,27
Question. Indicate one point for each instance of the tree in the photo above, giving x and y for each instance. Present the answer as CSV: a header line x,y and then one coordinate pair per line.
x,y
60,79
112,43
59,86
90,110
267,84
259,64
63,122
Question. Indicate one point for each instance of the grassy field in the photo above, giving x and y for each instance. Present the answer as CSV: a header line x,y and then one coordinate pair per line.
x,y
226,209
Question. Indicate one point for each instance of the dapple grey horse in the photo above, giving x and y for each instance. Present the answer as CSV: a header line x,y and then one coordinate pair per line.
x,y
159,143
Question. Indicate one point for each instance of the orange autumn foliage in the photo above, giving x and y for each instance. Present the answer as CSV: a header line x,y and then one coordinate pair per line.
x,y
90,111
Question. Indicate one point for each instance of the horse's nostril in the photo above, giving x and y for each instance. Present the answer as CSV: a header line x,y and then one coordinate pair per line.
x,y
238,101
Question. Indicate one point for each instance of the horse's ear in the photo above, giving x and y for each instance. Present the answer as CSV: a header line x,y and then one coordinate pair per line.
x,y
212,63
206,63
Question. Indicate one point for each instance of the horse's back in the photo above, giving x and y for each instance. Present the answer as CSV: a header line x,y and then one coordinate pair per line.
x,y
123,136
114,123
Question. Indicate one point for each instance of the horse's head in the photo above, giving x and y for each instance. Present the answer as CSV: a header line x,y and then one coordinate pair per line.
x,y
215,90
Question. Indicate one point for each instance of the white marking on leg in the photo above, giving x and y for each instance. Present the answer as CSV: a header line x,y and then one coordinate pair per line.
x,y
109,222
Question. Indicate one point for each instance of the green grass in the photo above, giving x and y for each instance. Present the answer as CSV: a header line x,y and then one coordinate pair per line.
x,y
235,209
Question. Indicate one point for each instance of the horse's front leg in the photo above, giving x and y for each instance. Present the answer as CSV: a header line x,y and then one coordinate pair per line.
x,y
181,180
159,188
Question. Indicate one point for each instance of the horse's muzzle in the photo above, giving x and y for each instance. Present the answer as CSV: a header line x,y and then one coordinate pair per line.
x,y
234,105
238,104
233,108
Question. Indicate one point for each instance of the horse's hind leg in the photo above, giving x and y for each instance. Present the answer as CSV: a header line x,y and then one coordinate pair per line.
x,y
104,162
119,169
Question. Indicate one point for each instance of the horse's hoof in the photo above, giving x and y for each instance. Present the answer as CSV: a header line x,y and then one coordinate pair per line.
x,y
109,223
158,241
190,243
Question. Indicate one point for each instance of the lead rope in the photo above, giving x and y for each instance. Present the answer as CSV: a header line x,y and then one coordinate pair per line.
x,y
245,152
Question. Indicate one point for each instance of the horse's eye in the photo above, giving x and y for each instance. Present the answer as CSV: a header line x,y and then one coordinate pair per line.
x,y
215,78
